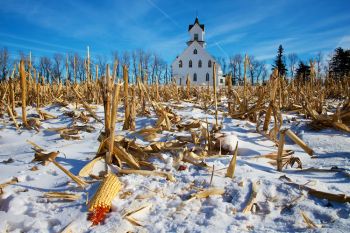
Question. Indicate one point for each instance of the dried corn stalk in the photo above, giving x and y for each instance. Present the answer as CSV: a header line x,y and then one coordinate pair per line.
x,y
308,221
45,159
252,198
205,193
62,196
12,181
23,93
121,154
298,141
166,175
342,198
112,123
231,168
135,209
87,169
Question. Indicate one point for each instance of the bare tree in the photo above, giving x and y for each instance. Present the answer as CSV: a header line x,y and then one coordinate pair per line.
x,y
318,59
166,74
259,70
255,69
154,68
4,63
292,62
25,57
115,56
102,63
80,67
233,66
237,61
264,74
222,62
126,59
45,67
134,64
57,66
145,67
141,57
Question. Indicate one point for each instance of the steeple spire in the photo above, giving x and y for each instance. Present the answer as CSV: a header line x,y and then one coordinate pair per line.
x,y
196,21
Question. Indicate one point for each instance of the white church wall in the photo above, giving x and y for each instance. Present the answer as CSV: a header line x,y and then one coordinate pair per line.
x,y
198,75
180,73
196,29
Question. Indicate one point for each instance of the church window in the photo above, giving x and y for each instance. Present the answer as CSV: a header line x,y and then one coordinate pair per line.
x,y
207,77
190,64
196,36
195,51
199,63
194,77
180,64
221,80
209,63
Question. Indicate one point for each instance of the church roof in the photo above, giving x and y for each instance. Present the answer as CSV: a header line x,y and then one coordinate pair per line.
x,y
196,22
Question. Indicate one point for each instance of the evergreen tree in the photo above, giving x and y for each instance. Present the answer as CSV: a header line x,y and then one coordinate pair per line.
x,y
280,63
303,72
339,65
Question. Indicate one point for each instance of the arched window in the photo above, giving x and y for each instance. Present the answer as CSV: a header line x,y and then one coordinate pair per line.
x,y
180,64
209,63
199,63
194,77
195,51
190,64
207,77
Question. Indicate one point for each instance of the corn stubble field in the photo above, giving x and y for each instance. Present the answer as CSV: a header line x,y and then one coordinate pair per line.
x,y
104,155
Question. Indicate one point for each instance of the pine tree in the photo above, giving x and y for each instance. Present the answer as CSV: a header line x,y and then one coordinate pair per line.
x,y
339,65
280,63
303,72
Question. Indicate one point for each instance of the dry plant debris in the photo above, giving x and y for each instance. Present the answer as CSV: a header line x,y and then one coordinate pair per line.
x,y
190,143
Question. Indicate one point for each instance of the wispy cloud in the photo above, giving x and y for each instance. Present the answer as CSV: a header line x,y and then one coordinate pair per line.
x,y
25,41
252,27
344,42
164,13
27,48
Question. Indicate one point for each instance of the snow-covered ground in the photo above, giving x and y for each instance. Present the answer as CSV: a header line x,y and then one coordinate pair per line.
x,y
23,208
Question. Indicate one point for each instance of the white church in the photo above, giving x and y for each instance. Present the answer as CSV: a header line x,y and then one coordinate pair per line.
x,y
195,62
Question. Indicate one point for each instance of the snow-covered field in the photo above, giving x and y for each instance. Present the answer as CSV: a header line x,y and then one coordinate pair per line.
x,y
23,208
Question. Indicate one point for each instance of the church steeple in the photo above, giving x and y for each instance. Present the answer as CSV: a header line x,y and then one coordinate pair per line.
x,y
196,31
196,21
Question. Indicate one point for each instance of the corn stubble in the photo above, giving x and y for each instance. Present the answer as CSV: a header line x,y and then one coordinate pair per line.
x,y
258,104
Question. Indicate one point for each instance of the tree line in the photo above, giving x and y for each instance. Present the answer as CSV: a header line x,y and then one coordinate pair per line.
x,y
337,67
144,64
73,66
290,66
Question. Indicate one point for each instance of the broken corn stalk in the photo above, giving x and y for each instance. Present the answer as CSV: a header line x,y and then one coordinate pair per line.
x,y
166,175
252,198
308,221
87,169
101,203
206,193
231,168
62,196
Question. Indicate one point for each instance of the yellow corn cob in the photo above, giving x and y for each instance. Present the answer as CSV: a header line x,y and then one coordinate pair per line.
x,y
106,192
101,203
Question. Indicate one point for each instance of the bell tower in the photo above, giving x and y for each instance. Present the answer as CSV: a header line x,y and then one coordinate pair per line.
x,y
196,31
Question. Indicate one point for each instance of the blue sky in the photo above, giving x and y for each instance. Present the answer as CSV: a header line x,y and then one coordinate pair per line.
x,y
255,27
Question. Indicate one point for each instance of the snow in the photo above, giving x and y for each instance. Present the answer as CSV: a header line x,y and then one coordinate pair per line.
x,y
24,209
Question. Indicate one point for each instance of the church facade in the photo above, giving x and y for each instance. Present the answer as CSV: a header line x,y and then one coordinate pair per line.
x,y
195,61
